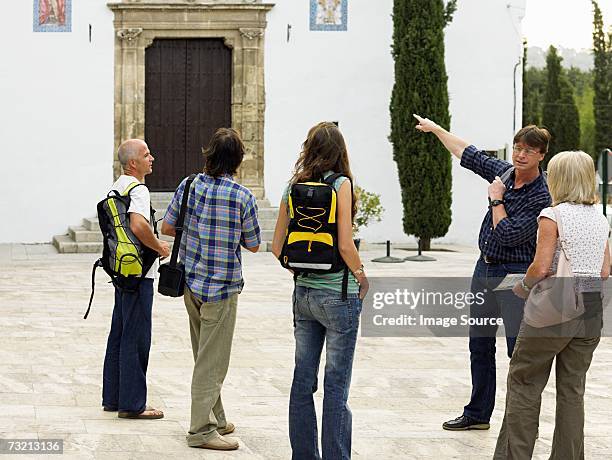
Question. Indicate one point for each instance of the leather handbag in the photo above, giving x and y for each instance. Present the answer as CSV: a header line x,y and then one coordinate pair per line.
x,y
172,275
554,300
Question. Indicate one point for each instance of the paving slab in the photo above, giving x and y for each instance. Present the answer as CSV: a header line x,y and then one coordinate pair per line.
x,y
402,388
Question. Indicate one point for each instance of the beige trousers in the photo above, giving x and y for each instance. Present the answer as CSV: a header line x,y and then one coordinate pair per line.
x,y
528,374
211,325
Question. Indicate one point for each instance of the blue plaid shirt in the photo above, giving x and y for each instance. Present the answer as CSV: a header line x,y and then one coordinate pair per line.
x,y
514,237
221,216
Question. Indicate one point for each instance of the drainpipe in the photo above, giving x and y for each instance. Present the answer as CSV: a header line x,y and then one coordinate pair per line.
x,y
515,96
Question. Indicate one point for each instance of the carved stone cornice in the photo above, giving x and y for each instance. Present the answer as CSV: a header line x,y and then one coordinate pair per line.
x,y
129,34
248,5
251,33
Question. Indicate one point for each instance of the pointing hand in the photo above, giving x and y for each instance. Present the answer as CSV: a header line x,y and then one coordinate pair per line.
x,y
425,125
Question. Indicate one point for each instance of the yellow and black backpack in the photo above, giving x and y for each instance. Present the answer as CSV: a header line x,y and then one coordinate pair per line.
x,y
311,244
124,258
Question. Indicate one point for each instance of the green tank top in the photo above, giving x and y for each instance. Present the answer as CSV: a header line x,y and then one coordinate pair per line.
x,y
330,281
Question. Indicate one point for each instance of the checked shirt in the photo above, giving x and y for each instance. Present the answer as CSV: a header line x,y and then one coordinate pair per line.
x,y
514,238
221,216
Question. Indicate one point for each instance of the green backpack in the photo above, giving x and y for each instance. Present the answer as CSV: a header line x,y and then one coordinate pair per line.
x,y
124,258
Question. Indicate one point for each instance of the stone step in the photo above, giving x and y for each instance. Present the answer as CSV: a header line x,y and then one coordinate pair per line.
x,y
160,208
66,245
267,235
267,214
267,224
87,238
91,223
82,235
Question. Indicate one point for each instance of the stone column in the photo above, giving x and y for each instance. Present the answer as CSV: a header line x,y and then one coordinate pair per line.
x,y
251,116
129,85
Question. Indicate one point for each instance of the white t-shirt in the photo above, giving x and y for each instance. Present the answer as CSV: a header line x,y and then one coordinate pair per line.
x,y
141,204
586,232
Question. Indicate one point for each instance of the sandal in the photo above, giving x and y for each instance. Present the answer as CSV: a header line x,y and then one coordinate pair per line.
x,y
154,414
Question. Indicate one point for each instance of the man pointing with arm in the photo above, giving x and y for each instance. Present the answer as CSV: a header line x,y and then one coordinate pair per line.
x,y
507,241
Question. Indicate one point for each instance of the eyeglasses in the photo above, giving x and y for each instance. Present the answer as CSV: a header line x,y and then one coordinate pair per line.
x,y
527,151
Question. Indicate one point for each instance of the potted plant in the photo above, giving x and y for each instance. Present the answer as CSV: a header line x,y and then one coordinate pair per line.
x,y
369,210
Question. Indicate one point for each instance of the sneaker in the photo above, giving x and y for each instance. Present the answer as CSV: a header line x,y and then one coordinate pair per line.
x,y
220,443
464,423
227,429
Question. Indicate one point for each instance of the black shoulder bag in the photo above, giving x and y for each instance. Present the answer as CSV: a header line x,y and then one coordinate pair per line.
x,y
172,275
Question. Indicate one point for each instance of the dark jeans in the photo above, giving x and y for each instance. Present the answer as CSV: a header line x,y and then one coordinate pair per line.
x,y
322,316
127,350
497,304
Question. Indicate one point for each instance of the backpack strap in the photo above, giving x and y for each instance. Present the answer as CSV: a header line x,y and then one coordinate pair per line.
x,y
131,187
97,264
329,180
506,175
345,278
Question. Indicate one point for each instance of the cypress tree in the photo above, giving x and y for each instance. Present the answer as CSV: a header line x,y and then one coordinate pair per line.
x,y
560,113
424,165
534,84
602,82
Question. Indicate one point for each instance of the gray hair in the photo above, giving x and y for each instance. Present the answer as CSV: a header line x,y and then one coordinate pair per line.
x,y
128,150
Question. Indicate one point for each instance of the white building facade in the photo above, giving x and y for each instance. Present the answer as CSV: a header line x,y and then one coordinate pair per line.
x,y
59,113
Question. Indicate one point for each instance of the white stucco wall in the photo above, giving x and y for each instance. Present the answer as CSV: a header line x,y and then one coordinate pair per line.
x,y
348,77
56,118
56,121
483,46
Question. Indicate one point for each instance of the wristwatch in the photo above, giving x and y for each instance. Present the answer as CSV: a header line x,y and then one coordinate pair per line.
x,y
524,286
493,203
359,271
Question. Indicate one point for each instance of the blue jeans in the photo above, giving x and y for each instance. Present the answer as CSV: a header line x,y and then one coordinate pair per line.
x,y
322,316
497,304
127,350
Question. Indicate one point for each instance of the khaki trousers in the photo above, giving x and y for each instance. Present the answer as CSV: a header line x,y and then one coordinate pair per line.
x,y
528,374
211,325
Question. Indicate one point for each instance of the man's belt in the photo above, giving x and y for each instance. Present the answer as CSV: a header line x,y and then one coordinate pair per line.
x,y
489,260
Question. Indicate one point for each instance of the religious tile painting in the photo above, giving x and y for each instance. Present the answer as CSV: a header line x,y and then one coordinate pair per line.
x,y
328,14
52,15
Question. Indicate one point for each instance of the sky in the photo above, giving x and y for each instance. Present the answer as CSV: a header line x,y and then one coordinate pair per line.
x,y
566,23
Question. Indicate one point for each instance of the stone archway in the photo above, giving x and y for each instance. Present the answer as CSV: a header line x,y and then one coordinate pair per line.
x,y
240,23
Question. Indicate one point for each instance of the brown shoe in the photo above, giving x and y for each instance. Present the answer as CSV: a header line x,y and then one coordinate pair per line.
x,y
220,443
227,429
148,414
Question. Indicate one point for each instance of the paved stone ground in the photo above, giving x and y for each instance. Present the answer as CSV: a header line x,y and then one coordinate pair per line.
x,y
402,389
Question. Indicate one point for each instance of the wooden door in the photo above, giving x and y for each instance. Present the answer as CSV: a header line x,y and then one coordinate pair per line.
x,y
187,98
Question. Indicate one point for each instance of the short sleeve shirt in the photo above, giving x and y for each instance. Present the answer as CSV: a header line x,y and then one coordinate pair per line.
x,y
140,203
221,216
586,232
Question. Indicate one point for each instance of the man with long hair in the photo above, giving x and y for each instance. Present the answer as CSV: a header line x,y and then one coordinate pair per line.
x,y
221,216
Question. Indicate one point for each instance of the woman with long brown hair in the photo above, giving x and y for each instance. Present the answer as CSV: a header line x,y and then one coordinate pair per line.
x,y
321,313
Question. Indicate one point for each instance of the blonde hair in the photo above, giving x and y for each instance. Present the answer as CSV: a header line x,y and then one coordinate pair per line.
x,y
571,178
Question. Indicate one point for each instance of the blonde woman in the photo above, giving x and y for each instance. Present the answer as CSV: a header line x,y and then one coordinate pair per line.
x,y
572,185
